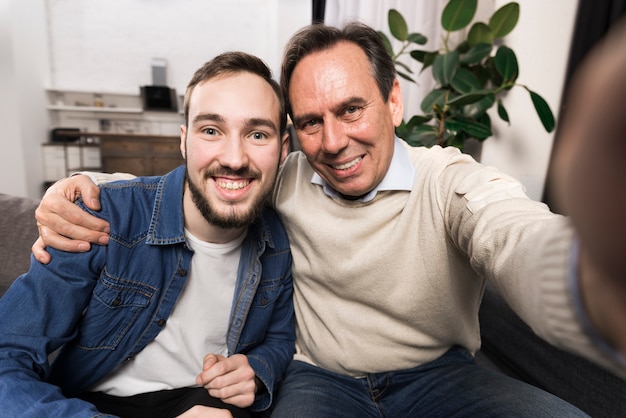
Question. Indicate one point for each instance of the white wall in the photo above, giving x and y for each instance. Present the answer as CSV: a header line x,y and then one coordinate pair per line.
x,y
23,121
108,46
541,40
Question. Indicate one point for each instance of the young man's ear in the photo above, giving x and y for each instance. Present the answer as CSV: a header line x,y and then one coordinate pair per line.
x,y
183,137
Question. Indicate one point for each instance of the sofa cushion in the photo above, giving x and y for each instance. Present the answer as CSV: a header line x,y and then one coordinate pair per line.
x,y
18,231
513,348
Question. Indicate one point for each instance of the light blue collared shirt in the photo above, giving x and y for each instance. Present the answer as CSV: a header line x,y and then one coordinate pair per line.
x,y
400,175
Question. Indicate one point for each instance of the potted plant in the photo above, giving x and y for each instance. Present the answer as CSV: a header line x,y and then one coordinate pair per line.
x,y
470,77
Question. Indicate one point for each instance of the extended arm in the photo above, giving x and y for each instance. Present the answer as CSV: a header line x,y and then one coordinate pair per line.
x,y
590,167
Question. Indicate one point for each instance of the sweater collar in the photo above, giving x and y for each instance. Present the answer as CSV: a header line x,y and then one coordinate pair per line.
x,y
400,175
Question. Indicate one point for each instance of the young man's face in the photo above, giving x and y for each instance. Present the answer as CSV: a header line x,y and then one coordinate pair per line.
x,y
344,126
233,147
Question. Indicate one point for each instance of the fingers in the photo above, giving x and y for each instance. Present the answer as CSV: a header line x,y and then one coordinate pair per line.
x,y
39,251
210,360
59,218
229,379
89,192
58,241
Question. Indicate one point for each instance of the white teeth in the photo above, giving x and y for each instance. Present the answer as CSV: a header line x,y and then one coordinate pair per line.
x,y
348,164
232,185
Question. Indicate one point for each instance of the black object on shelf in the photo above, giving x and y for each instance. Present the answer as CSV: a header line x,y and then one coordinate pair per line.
x,y
59,135
159,98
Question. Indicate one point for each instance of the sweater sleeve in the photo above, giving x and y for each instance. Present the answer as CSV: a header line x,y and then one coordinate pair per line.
x,y
101,178
525,251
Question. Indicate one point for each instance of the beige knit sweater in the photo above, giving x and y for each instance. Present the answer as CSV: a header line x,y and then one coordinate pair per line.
x,y
395,282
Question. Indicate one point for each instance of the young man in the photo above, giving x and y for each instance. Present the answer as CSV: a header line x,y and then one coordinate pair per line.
x,y
393,246
191,301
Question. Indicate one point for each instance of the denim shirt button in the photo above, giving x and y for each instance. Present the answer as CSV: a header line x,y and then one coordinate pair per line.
x,y
161,322
182,272
116,302
253,279
237,323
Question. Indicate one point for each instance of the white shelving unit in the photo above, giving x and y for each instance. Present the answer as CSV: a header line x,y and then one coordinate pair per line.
x,y
102,111
95,109
98,114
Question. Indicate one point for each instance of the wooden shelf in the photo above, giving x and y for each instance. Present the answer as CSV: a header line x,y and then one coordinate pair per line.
x,y
100,109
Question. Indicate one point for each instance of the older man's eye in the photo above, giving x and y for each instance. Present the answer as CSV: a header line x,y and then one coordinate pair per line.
x,y
310,126
352,112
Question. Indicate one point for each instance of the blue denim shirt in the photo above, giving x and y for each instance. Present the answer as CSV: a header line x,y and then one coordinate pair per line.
x,y
104,306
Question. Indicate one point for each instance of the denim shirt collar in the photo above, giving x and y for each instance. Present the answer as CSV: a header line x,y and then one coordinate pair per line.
x,y
167,224
400,175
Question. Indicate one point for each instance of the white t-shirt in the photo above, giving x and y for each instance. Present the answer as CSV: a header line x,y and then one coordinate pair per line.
x,y
197,326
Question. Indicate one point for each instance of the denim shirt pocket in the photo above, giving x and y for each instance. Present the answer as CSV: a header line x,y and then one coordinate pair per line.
x,y
114,308
267,293
261,312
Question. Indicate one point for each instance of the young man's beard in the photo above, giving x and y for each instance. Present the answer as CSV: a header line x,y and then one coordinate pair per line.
x,y
233,219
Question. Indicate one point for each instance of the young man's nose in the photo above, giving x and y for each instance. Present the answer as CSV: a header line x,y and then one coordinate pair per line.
x,y
233,153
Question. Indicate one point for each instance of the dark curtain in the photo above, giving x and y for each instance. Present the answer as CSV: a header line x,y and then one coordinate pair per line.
x,y
593,20
319,6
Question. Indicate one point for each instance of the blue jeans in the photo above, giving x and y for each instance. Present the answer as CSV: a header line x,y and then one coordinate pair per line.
x,y
451,386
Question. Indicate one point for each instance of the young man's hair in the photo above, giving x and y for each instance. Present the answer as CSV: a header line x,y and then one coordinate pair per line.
x,y
319,37
232,63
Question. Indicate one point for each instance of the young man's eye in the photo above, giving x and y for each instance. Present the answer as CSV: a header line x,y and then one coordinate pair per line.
x,y
259,136
209,131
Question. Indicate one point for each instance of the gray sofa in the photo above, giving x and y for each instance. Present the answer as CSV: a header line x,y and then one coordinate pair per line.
x,y
508,344
18,231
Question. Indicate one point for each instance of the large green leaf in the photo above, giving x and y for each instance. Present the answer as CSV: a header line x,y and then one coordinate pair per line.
x,y
425,57
445,67
473,129
478,108
424,135
543,110
476,54
465,81
437,96
417,120
466,99
417,38
404,66
405,76
458,14
504,19
480,34
505,62
504,115
397,25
